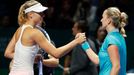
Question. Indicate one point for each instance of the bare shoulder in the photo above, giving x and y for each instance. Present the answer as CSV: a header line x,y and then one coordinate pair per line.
x,y
37,35
18,30
35,32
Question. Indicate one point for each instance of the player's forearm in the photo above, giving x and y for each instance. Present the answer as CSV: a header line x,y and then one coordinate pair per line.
x,y
115,70
51,62
61,51
92,56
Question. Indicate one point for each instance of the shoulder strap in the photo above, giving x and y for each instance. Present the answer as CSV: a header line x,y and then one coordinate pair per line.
x,y
22,30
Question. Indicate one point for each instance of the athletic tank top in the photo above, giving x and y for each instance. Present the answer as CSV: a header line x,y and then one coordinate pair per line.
x,y
24,55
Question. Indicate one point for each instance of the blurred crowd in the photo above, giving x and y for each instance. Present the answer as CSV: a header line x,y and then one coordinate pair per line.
x,y
62,13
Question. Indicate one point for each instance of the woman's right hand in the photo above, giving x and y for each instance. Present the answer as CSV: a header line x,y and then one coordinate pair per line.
x,y
80,37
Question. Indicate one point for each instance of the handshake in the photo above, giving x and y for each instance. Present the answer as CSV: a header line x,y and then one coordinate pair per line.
x,y
85,45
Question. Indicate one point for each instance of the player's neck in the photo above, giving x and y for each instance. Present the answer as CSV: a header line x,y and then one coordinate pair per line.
x,y
110,28
30,23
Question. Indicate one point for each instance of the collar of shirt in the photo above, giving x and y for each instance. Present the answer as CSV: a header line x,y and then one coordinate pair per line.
x,y
114,30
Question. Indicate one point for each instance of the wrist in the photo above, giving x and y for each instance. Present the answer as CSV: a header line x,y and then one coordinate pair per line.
x,y
76,41
85,46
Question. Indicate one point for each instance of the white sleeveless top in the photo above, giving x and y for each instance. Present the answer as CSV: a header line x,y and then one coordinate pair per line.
x,y
24,55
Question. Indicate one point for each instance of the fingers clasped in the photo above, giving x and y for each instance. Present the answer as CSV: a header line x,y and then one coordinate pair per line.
x,y
81,37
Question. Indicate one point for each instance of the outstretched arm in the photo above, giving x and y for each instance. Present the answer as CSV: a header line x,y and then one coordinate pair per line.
x,y
50,49
91,54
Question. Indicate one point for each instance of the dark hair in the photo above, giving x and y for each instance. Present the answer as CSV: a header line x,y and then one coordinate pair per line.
x,y
82,25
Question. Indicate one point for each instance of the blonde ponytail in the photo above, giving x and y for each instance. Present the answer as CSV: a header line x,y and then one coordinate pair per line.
x,y
21,16
124,18
123,32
